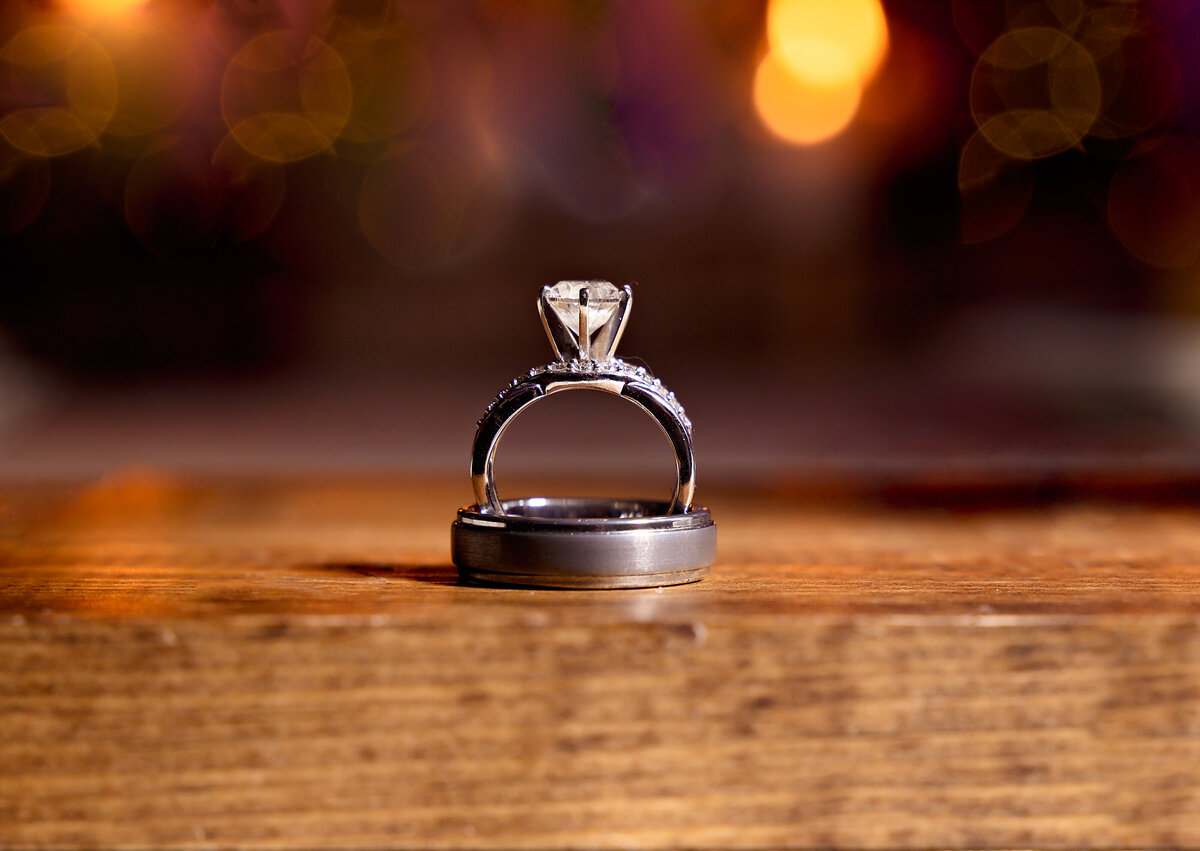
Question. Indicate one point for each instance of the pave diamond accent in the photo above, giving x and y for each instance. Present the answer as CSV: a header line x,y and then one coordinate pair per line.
x,y
584,319
613,367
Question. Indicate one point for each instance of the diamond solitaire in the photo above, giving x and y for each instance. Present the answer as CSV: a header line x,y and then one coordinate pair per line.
x,y
584,319
601,302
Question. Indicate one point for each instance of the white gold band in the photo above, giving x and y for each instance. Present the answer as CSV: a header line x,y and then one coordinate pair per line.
x,y
631,383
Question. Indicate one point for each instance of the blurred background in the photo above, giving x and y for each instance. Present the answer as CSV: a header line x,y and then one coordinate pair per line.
x,y
913,241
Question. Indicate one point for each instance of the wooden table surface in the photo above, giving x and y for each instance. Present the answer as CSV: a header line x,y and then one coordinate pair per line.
x,y
294,664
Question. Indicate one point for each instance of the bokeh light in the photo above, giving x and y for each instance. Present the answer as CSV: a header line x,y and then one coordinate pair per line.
x,y
825,43
1142,80
1103,27
1035,92
800,111
996,190
70,77
251,189
420,131
1154,203
390,76
808,86
24,188
157,74
286,97
93,9
1052,75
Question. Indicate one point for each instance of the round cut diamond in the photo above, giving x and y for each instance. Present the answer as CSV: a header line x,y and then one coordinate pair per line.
x,y
602,301
584,319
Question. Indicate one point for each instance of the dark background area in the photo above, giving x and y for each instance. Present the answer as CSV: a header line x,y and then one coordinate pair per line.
x,y
303,235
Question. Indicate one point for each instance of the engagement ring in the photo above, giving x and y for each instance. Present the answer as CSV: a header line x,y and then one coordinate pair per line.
x,y
584,543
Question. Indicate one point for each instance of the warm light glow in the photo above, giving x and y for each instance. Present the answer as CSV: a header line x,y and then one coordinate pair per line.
x,y
286,97
1154,204
799,111
66,61
156,73
104,8
1035,92
828,42
822,53
391,78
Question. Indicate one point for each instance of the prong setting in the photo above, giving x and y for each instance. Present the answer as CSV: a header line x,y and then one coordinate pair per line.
x,y
584,320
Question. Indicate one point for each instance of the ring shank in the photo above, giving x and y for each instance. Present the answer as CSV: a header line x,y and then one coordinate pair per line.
x,y
621,381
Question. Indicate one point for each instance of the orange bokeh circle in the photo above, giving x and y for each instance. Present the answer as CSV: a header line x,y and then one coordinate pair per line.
x,y
286,97
64,59
799,111
1035,92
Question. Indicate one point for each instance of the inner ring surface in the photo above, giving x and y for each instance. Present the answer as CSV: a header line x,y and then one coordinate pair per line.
x,y
571,515
575,508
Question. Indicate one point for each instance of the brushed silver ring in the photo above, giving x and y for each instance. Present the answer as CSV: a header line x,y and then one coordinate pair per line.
x,y
564,542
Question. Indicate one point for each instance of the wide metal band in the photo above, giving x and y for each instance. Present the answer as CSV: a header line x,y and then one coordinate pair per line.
x,y
583,543
631,383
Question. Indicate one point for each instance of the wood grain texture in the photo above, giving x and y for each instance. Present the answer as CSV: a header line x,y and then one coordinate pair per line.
x,y
293,663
